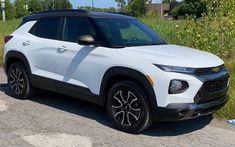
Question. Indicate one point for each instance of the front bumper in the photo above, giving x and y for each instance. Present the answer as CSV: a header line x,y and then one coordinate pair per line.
x,y
211,97
175,112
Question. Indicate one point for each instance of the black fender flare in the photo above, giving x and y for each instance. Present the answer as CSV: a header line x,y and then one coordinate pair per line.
x,y
133,75
16,55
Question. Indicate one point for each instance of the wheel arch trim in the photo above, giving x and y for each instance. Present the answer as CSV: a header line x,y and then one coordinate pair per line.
x,y
132,74
17,55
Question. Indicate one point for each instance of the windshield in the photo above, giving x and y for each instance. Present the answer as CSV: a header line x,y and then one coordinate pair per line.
x,y
128,32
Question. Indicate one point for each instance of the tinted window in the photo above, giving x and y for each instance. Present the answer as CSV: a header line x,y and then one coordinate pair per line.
x,y
128,32
47,28
76,27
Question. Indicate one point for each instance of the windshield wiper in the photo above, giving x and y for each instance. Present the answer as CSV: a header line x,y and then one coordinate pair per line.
x,y
119,46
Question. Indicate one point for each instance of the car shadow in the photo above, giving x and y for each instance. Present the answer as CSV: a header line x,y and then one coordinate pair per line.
x,y
97,113
77,60
178,128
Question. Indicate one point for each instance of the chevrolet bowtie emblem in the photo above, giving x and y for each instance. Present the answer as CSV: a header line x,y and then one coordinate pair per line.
x,y
216,69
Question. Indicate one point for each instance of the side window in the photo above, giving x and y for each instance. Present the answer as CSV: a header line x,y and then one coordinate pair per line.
x,y
105,27
47,28
76,27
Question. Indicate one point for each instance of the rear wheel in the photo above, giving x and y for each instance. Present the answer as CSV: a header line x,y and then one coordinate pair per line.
x,y
128,108
18,81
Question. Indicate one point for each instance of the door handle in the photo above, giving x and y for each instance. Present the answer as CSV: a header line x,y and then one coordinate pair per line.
x,y
61,49
26,43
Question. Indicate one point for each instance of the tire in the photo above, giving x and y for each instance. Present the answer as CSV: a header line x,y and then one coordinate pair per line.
x,y
18,81
128,107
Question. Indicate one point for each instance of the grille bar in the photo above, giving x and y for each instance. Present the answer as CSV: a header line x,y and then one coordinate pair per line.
x,y
216,85
212,90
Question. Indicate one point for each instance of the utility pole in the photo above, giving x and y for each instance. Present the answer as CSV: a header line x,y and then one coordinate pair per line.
x,y
161,8
92,5
26,6
3,10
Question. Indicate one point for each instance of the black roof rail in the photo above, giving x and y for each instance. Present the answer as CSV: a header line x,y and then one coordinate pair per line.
x,y
122,13
63,10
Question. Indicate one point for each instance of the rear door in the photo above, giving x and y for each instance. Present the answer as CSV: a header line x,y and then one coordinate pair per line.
x,y
44,42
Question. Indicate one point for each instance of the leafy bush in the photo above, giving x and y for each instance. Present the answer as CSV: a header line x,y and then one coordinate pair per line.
x,y
137,7
6,28
20,8
190,7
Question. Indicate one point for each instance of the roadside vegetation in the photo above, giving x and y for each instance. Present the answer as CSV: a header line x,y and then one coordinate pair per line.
x,y
214,32
6,28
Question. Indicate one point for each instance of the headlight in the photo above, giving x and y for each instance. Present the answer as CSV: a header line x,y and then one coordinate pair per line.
x,y
176,69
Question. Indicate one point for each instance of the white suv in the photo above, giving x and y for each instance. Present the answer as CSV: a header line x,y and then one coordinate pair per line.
x,y
116,61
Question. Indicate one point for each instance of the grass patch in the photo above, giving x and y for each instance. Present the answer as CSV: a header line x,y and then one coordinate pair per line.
x,y
229,110
6,28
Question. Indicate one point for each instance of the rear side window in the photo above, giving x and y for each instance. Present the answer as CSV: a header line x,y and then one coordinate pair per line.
x,y
47,28
76,27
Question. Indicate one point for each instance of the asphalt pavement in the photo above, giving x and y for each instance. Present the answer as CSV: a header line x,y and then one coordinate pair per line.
x,y
54,120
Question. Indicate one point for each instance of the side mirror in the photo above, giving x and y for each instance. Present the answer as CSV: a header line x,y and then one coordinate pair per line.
x,y
87,40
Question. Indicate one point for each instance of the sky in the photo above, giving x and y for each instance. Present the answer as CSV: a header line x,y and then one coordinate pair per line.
x,y
98,3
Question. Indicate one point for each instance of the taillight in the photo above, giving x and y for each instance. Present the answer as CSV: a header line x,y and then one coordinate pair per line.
x,y
8,38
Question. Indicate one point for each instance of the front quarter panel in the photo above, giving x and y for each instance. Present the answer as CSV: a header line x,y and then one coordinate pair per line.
x,y
112,58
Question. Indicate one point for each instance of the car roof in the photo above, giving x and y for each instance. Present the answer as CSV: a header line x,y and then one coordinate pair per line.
x,y
75,12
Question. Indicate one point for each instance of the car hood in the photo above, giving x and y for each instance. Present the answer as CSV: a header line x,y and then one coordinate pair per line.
x,y
173,55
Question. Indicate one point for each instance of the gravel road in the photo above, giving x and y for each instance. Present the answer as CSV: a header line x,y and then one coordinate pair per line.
x,y
54,120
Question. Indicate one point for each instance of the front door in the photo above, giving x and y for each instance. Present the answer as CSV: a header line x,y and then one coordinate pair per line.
x,y
79,65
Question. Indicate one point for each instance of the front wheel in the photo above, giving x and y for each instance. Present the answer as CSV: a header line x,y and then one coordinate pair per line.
x,y
18,81
128,108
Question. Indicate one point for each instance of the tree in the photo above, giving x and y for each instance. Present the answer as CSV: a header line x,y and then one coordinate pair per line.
x,y
56,4
10,10
121,3
190,7
88,8
46,4
35,6
20,8
169,1
137,7
62,4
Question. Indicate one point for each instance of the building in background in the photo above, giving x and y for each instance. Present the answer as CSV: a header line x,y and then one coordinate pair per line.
x,y
163,9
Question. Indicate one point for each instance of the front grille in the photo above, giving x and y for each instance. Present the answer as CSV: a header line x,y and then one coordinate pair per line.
x,y
212,90
216,85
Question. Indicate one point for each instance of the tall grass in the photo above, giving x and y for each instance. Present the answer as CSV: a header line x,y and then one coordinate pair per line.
x,y
229,110
6,28
202,34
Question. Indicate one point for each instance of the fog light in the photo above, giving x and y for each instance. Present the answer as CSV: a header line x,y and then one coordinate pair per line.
x,y
177,86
